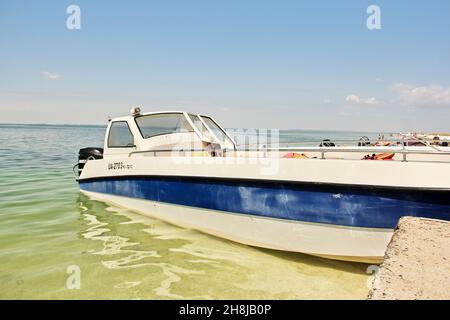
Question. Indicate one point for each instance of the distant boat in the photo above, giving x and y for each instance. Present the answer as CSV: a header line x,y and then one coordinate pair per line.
x,y
439,139
186,169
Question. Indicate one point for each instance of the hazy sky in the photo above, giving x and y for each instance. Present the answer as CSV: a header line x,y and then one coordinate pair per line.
x,y
267,64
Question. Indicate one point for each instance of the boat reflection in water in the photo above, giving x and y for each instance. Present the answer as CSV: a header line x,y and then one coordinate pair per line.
x,y
140,257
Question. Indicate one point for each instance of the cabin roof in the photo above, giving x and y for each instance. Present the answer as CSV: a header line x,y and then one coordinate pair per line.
x,y
123,118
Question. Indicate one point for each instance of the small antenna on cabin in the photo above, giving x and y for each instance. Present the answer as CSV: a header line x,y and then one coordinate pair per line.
x,y
135,111
109,118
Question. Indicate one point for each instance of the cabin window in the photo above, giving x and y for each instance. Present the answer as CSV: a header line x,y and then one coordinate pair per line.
x,y
159,124
218,132
199,124
120,135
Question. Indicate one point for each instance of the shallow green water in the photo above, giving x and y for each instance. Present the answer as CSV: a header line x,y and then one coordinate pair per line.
x,y
47,226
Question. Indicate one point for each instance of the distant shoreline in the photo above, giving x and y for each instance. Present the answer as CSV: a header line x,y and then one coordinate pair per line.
x,y
54,125
104,126
298,130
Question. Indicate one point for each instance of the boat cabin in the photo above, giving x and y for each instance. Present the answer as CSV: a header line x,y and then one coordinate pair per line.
x,y
165,132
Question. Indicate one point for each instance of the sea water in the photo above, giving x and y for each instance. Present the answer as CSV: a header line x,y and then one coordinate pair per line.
x,y
49,233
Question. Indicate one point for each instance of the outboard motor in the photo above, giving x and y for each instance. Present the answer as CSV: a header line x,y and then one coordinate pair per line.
x,y
86,154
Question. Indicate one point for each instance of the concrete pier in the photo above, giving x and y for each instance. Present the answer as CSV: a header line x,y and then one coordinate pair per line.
x,y
417,262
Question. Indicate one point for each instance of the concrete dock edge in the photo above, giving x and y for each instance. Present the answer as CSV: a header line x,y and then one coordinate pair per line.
x,y
417,262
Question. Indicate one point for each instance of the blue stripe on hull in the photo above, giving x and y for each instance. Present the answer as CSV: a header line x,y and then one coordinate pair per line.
x,y
338,205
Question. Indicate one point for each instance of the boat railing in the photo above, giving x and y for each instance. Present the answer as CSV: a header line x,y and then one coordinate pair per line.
x,y
410,142
370,150
323,151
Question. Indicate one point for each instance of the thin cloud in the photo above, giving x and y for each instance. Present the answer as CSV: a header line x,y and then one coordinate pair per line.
x,y
50,75
353,98
433,96
371,101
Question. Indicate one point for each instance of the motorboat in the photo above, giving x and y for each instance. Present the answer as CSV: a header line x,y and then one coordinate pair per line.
x,y
328,200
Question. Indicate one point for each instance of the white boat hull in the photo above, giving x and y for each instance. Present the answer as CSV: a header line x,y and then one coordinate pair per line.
x,y
331,241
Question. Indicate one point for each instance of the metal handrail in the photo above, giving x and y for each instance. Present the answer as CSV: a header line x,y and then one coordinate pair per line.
x,y
344,141
356,149
322,150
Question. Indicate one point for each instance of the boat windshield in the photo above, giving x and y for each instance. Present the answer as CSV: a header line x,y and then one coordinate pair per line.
x,y
199,124
165,123
218,132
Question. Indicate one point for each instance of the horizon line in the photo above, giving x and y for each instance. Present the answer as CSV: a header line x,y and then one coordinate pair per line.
x,y
105,125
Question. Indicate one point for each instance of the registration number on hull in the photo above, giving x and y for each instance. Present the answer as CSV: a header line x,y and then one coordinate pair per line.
x,y
119,166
